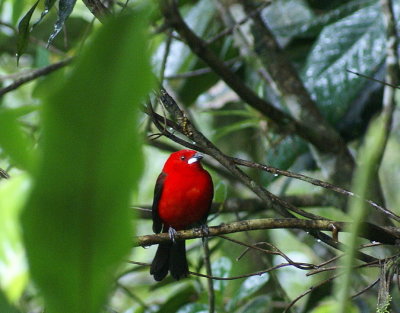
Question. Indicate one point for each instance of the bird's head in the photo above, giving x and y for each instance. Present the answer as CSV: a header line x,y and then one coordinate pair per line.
x,y
182,160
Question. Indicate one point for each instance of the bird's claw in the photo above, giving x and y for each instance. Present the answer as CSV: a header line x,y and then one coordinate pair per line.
x,y
205,232
172,234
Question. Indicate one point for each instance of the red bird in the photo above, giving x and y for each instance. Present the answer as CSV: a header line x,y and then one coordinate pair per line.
x,y
182,199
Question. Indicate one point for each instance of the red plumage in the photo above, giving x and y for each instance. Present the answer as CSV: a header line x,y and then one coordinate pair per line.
x,y
182,199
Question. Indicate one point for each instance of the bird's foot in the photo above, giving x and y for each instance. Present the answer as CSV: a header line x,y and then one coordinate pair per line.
x,y
205,232
172,234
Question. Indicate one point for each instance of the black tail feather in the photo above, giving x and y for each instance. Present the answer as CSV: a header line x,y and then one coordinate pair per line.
x,y
172,257
159,267
178,265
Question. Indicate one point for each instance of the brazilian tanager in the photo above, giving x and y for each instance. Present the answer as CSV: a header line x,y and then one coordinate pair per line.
x,y
182,199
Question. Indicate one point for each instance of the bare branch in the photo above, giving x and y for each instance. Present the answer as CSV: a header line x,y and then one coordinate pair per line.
x,y
231,29
35,74
98,9
370,232
4,174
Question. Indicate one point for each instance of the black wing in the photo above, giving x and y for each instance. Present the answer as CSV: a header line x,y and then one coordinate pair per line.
x,y
157,223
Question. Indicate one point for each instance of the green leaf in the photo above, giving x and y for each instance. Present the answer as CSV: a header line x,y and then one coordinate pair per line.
x,y
251,285
77,225
331,307
260,304
12,139
220,191
24,31
13,267
65,8
243,124
178,299
221,268
282,155
356,42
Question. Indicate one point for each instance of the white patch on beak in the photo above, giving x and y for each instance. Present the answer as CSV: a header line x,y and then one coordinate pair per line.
x,y
193,160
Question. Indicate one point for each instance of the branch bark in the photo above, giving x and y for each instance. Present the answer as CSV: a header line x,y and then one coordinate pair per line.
x,y
98,9
370,232
35,74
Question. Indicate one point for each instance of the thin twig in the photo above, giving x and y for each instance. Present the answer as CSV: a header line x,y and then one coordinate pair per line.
x,y
315,182
366,288
293,302
4,174
35,74
373,79
198,72
276,251
165,56
259,273
231,29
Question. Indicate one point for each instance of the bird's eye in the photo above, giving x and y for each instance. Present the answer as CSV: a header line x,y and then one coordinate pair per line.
x,y
182,157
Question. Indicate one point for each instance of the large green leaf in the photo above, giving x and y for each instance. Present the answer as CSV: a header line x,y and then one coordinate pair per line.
x,y
77,225
356,42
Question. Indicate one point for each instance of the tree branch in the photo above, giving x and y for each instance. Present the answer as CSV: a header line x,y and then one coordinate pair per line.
x,y
98,9
35,74
370,232
200,48
270,200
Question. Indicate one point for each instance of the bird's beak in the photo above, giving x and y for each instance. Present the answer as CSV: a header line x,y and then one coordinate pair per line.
x,y
197,157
